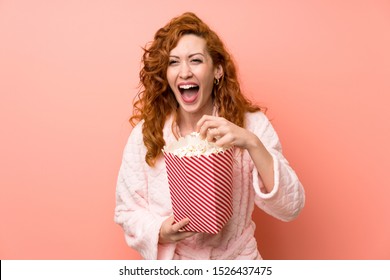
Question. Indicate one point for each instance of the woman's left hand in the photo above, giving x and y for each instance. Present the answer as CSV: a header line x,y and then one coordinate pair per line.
x,y
225,133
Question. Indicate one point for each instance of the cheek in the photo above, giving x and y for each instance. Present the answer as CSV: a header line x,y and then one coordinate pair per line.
x,y
170,79
209,82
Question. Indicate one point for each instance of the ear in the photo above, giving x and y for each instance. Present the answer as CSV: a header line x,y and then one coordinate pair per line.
x,y
218,72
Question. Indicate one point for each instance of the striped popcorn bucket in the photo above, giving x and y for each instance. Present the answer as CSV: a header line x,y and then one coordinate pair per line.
x,y
201,189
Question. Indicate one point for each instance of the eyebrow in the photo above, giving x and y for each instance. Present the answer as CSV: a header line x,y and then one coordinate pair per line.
x,y
191,55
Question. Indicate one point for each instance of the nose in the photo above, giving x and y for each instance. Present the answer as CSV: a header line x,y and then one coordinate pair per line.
x,y
185,71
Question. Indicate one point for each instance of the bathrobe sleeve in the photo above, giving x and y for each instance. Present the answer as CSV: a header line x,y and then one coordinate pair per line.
x,y
287,198
141,226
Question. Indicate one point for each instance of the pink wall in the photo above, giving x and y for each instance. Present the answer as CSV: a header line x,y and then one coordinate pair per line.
x,y
69,71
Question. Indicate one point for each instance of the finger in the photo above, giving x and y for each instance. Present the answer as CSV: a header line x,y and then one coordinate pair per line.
x,y
167,224
171,219
207,125
184,235
176,227
207,122
203,119
224,141
213,134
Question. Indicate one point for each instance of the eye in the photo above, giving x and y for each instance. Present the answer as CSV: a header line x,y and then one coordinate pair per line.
x,y
173,62
196,60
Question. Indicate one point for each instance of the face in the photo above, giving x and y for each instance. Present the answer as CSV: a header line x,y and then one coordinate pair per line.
x,y
191,75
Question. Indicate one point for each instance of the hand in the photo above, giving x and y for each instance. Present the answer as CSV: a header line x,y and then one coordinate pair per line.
x,y
172,232
225,133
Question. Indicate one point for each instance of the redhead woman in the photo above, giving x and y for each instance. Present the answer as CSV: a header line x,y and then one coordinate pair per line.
x,y
189,84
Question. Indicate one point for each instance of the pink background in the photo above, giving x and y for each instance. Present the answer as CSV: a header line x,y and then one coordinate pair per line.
x,y
68,74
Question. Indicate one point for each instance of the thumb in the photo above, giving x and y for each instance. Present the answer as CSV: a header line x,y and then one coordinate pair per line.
x,y
178,226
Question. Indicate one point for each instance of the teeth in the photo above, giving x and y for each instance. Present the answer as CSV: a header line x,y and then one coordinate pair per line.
x,y
187,86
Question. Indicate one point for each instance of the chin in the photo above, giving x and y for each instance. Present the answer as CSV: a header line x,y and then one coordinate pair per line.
x,y
191,109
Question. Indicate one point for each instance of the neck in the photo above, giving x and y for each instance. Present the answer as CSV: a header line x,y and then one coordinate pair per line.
x,y
187,121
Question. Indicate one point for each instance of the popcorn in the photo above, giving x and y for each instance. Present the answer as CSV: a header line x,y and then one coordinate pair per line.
x,y
193,145
200,177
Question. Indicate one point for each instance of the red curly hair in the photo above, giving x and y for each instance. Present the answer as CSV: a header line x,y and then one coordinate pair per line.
x,y
156,101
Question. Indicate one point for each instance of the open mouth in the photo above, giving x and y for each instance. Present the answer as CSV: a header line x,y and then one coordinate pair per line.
x,y
189,92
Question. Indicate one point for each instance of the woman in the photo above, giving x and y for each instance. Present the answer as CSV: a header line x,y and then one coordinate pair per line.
x,y
189,83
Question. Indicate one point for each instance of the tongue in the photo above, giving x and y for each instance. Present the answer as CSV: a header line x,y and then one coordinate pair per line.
x,y
189,95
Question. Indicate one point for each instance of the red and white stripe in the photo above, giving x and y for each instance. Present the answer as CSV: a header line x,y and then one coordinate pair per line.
x,y
201,189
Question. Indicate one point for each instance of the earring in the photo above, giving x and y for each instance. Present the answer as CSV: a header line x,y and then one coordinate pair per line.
x,y
216,81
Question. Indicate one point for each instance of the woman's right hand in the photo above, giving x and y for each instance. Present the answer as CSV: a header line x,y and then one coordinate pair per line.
x,y
172,232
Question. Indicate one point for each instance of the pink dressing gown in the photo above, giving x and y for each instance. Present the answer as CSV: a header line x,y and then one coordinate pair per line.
x,y
143,199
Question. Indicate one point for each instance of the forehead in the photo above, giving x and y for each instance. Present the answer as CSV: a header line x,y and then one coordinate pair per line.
x,y
189,44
